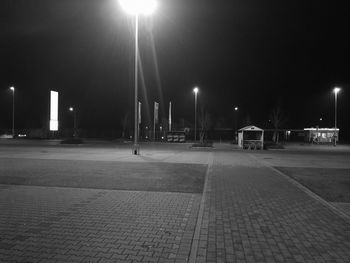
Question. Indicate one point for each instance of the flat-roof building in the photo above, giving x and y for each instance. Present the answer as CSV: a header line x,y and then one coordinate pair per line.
x,y
321,135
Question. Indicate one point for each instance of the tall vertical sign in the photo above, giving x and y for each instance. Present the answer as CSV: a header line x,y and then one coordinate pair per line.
x,y
155,119
139,118
139,113
170,116
53,110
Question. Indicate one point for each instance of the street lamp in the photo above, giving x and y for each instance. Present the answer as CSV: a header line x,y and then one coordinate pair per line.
x,y
195,90
236,120
13,111
75,121
136,8
335,90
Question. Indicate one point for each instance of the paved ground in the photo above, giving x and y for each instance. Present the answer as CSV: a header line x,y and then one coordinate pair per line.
x,y
252,214
332,184
121,175
248,212
62,224
45,224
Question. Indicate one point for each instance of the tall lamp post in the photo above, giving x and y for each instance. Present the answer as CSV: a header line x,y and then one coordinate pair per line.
x,y
335,90
195,90
236,120
75,121
136,8
13,111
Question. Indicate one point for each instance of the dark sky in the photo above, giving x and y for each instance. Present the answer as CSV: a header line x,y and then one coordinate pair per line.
x,y
251,54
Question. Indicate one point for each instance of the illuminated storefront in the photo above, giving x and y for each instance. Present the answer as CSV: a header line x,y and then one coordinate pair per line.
x,y
321,135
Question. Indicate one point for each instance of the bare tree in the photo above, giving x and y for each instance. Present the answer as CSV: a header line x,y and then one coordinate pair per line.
x,y
205,123
125,124
277,119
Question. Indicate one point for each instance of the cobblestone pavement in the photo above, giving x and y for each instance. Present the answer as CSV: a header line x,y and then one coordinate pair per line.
x,y
248,213
253,214
49,224
139,176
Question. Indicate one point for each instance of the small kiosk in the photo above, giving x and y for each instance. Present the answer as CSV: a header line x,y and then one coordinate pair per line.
x,y
251,137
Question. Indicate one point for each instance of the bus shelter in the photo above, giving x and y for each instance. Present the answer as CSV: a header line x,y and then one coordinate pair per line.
x,y
251,137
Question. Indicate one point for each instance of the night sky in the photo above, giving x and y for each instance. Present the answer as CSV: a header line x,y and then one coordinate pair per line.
x,y
251,54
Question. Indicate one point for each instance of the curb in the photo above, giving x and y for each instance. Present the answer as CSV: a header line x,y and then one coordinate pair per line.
x,y
195,239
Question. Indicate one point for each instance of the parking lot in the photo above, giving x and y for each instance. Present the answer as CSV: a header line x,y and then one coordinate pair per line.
x,y
99,203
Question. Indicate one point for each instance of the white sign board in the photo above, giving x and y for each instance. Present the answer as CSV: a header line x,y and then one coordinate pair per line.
x,y
53,110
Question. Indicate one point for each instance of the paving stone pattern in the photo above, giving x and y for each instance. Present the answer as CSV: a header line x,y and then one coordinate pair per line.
x,y
252,214
48,224
142,176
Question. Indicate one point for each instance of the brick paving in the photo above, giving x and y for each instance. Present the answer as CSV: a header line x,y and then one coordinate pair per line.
x,y
253,214
250,214
48,224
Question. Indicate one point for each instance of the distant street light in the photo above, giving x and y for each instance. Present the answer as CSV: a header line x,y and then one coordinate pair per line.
x,y
75,121
236,120
136,8
335,90
195,90
13,111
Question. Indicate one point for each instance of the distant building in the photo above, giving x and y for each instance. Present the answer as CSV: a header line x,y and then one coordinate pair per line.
x,y
321,135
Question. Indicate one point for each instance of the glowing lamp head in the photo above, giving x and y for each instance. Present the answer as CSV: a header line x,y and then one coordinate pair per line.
x,y
195,90
12,88
71,109
336,90
236,108
136,7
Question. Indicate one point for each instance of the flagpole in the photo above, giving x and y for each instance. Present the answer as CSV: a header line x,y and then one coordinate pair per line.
x,y
170,116
155,119
154,122
139,119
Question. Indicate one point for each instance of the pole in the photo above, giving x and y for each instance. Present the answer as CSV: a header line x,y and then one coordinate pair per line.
x,y
13,113
75,124
136,146
169,116
236,117
195,116
335,118
154,123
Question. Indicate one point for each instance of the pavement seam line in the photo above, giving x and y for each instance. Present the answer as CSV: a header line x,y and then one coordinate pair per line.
x,y
313,195
195,239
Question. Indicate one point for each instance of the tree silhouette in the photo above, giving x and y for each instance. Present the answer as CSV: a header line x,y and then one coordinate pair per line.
x,y
125,124
278,119
205,123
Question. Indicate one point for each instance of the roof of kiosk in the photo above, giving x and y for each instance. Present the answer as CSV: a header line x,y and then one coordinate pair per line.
x,y
250,128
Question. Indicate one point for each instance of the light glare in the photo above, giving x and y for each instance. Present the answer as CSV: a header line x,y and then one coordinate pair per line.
x,y
336,90
12,88
195,90
136,7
